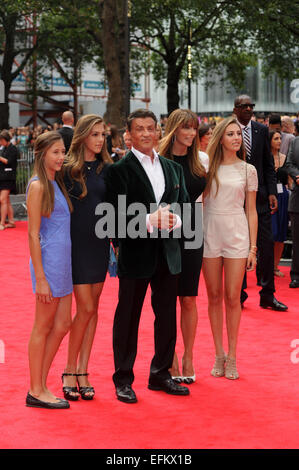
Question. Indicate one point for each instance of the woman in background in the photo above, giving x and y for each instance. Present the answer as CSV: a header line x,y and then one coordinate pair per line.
x,y
280,217
205,132
8,172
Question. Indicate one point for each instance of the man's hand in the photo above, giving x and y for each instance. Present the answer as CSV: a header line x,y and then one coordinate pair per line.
x,y
273,203
162,218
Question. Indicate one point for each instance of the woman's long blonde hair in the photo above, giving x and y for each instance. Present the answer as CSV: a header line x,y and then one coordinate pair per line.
x,y
41,146
215,152
74,164
182,117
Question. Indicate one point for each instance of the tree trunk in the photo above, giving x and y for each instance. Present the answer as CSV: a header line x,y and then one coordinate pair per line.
x,y
115,111
4,114
173,98
6,70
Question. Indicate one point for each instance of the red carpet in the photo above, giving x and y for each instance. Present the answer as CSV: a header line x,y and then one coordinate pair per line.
x,y
258,411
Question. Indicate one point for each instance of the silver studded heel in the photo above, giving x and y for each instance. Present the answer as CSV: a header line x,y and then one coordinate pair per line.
x,y
231,369
218,368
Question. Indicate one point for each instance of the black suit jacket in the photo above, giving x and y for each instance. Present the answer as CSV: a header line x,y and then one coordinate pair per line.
x,y
292,167
8,171
138,257
67,135
262,159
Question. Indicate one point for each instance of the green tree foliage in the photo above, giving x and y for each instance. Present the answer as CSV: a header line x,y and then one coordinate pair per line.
x,y
16,44
227,37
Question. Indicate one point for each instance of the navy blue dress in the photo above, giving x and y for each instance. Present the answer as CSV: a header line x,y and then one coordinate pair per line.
x,y
280,218
90,254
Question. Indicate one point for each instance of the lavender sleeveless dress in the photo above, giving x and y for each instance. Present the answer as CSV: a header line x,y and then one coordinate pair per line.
x,y
55,242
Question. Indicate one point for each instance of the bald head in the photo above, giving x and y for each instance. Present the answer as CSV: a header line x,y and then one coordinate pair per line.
x,y
239,99
243,109
68,118
287,125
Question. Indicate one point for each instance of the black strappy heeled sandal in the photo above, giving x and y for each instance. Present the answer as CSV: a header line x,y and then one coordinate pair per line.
x,y
68,391
85,390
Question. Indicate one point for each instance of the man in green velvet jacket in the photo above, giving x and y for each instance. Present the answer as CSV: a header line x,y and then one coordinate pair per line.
x,y
146,180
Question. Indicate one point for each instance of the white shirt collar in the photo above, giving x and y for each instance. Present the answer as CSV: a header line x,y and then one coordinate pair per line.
x,y
66,125
247,125
141,156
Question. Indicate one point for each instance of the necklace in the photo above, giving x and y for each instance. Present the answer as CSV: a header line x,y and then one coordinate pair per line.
x,y
89,164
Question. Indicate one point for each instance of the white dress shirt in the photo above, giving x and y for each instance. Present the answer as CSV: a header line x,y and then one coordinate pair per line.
x,y
154,171
249,130
155,174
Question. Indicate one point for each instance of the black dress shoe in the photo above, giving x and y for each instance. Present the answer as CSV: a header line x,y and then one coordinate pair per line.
x,y
126,394
168,386
294,283
274,304
36,403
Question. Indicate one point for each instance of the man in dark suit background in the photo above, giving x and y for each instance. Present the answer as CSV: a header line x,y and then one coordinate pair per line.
x,y
256,141
147,178
66,130
292,165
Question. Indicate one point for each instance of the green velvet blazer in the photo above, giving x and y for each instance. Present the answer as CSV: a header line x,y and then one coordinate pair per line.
x,y
138,256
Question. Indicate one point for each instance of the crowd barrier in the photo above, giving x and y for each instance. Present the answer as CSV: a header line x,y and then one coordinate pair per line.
x,y
24,169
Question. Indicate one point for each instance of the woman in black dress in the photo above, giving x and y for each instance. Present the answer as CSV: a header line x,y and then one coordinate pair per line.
x,y
85,168
181,144
8,169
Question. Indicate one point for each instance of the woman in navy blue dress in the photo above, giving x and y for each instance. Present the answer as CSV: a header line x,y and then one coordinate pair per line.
x,y
48,208
280,217
85,169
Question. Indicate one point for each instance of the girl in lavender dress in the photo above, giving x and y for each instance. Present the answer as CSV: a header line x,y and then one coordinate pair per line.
x,y
48,207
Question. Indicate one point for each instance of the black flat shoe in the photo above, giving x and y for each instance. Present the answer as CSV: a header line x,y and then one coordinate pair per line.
x,y
85,391
169,386
294,283
36,403
126,394
68,391
274,304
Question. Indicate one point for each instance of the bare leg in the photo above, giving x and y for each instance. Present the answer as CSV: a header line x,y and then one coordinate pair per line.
x,y
10,213
233,277
212,271
4,198
82,331
188,326
175,369
43,324
61,327
89,335
278,250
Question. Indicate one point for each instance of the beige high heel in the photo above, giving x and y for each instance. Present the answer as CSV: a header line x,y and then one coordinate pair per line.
x,y
231,369
218,368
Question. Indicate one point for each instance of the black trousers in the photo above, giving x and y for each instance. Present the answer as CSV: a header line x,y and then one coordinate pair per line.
x,y
127,317
294,273
265,258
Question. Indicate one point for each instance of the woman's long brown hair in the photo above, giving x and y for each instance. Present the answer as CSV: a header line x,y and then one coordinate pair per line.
x,y
75,158
182,117
41,146
215,152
